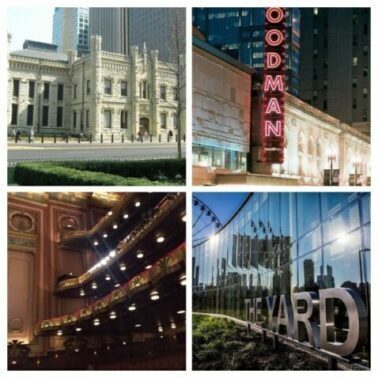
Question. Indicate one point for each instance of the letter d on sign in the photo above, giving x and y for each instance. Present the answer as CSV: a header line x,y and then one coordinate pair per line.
x,y
357,319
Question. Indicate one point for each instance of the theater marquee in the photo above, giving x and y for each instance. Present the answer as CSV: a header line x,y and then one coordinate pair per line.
x,y
274,86
309,317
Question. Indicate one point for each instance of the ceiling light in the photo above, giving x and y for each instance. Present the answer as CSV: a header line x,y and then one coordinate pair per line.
x,y
113,253
96,322
138,325
122,267
77,350
104,235
82,292
173,325
110,213
148,266
137,204
184,218
94,285
59,332
108,347
107,277
160,239
124,343
78,329
160,329
140,255
154,295
113,315
125,216
115,226
132,307
95,242
95,352
117,285
181,311
183,279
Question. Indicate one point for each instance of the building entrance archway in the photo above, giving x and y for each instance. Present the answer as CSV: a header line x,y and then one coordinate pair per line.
x,y
144,125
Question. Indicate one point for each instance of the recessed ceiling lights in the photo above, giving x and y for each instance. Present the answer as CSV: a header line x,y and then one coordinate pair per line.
x,y
107,277
137,204
96,322
82,292
112,253
184,218
138,325
95,242
125,216
122,267
148,266
160,329
115,226
173,325
78,329
104,235
182,280
59,332
132,307
110,212
124,342
154,295
160,239
140,255
94,285
112,315
181,311
117,285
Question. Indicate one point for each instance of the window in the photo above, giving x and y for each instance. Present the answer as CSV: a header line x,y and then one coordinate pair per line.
x,y
366,50
29,120
364,115
16,87
354,83
59,116
45,115
325,105
163,92
14,114
175,120
60,92
325,84
355,61
365,71
123,119
123,88
108,87
366,29
107,119
75,91
175,94
74,119
364,92
87,119
325,63
88,87
143,89
316,11
163,120
354,103
31,88
46,91
315,95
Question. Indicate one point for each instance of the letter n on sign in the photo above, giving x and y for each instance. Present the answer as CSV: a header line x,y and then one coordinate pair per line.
x,y
273,112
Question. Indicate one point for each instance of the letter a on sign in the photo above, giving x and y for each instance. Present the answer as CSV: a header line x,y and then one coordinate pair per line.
x,y
273,106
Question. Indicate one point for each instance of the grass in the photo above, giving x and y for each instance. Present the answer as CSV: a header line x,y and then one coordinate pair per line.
x,y
219,344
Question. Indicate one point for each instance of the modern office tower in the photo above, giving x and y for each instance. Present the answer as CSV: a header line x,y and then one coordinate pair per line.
x,y
239,32
112,25
96,281
70,29
153,26
335,63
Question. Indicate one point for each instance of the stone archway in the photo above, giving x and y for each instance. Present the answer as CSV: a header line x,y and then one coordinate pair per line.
x,y
144,125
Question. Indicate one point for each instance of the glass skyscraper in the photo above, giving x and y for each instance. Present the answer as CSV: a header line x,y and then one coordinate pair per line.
x,y
239,32
282,243
71,29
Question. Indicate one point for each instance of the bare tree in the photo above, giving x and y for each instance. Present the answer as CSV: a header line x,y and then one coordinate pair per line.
x,y
177,57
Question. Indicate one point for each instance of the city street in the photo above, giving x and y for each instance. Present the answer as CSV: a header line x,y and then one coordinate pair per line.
x,y
116,151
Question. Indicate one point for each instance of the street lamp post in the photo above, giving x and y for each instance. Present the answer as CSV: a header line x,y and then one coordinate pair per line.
x,y
356,163
331,160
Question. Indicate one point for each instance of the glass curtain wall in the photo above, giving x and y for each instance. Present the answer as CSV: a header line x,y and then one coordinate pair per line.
x,y
281,243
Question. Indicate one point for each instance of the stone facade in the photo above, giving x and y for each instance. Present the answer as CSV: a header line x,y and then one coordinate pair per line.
x,y
103,93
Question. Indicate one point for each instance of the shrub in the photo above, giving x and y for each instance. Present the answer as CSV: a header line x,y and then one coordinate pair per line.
x,y
151,169
51,174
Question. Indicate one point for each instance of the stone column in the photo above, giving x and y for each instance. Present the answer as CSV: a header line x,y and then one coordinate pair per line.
x,y
155,129
96,84
134,126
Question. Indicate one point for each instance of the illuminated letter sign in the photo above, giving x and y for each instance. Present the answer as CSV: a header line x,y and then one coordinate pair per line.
x,y
310,318
274,86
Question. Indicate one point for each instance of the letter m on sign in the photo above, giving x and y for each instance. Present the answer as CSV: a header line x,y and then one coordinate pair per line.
x,y
273,84
273,129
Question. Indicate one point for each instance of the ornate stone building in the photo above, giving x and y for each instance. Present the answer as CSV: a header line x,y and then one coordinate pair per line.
x,y
101,93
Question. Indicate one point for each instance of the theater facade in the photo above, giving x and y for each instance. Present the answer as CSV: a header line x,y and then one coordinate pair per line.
x,y
96,281
283,255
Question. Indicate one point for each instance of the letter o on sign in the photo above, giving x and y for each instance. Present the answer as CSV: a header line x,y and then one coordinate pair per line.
x,y
274,15
274,37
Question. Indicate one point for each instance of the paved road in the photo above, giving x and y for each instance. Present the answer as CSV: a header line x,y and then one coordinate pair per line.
x,y
140,151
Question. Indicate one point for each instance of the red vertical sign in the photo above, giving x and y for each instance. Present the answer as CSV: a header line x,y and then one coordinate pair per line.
x,y
273,112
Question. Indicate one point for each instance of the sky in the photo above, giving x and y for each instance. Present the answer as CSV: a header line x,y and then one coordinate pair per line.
x,y
223,205
33,23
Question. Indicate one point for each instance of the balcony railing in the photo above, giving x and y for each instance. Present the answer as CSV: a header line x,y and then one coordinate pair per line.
x,y
169,263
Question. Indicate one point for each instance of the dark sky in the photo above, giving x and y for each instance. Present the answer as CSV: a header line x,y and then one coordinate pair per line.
x,y
222,204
